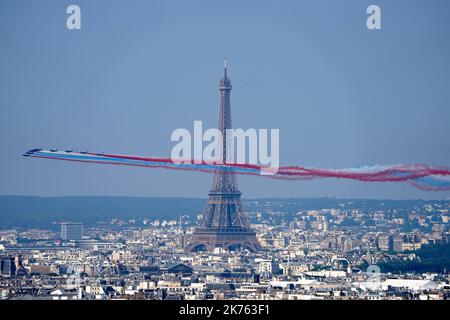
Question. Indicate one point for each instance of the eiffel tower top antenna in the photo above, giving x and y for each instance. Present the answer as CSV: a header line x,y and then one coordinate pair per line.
x,y
224,223
225,66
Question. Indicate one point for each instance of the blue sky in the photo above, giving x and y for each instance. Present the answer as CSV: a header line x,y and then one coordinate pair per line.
x,y
340,94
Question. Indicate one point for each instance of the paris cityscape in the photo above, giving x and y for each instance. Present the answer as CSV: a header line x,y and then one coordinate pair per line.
x,y
317,167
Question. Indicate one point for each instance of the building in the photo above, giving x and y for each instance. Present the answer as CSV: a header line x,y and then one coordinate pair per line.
x,y
224,223
396,243
71,231
7,266
179,268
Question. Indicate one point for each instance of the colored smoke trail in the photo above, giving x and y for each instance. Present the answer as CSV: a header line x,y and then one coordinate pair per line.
x,y
429,178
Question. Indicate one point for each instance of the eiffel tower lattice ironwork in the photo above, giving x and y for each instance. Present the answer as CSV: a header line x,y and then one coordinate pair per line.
x,y
224,223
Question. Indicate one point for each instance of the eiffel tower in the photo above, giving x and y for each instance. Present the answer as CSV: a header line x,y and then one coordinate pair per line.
x,y
224,223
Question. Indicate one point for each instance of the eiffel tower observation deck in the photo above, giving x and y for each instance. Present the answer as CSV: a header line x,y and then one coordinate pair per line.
x,y
224,223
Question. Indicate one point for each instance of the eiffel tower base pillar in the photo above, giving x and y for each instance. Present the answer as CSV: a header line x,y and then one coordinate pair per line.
x,y
211,238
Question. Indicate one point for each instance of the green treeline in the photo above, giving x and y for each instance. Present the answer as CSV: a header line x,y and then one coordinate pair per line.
x,y
433,258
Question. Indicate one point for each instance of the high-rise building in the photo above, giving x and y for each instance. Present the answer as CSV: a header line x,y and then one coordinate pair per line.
x,y
71,231
7,266
224,223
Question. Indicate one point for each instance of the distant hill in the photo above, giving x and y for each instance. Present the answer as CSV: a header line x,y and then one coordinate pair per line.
x,y
41,212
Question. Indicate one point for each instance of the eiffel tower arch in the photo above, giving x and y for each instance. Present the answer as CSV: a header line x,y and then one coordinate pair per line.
x,y
224,223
